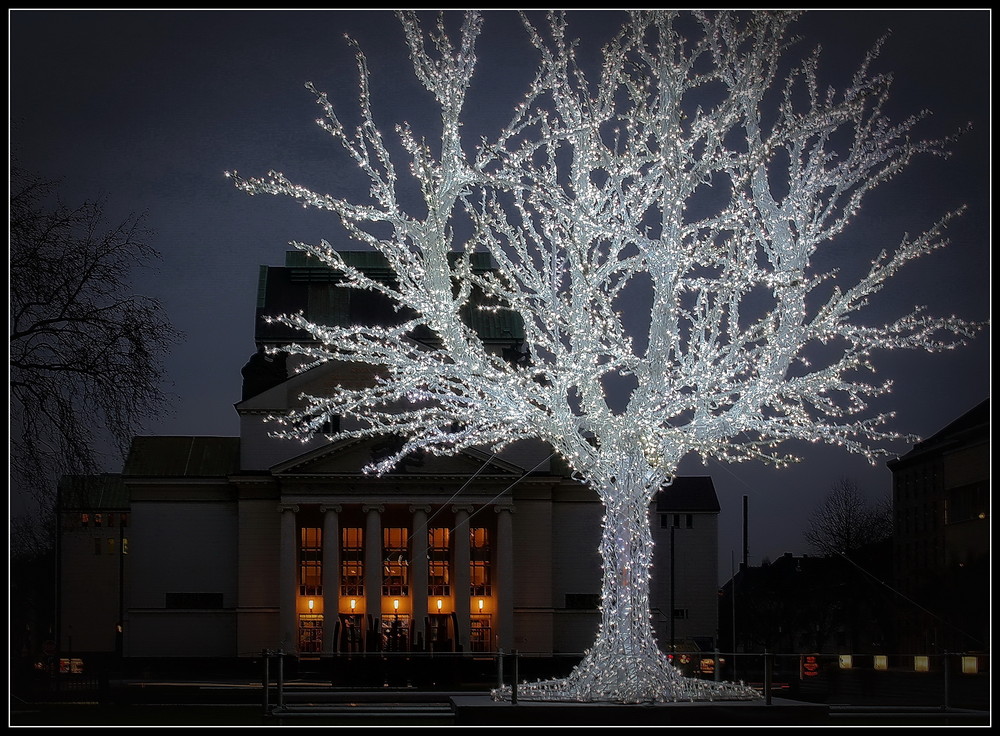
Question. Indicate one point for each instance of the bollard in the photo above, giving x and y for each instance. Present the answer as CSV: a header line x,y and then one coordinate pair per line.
x,y
513,684
500,667
281,679
946,671
267,678
767,677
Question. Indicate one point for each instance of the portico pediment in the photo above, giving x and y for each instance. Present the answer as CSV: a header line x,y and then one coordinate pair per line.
x,y
350,457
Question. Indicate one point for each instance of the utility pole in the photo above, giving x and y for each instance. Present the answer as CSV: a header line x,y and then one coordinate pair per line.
x,y
673,604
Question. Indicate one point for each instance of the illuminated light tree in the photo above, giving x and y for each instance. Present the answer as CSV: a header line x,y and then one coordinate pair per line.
x,y
595,193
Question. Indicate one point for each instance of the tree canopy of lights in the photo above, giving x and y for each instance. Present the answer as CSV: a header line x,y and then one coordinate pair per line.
x,y
691,167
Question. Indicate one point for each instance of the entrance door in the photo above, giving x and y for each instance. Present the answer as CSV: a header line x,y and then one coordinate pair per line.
x,y
350,633
481,633
310,633
438,635
395,634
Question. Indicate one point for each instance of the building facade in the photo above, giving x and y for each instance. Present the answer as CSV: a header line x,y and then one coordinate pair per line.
x,y
251,543
941,532
92,546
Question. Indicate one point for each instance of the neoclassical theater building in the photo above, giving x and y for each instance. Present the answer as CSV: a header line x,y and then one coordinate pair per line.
x,y
226,546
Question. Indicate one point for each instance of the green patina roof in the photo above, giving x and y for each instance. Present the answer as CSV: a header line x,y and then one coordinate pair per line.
x,y
183,457
371,262
92,492
305,285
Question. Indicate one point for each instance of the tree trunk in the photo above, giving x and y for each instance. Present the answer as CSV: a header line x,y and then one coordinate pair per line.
x,y
625,664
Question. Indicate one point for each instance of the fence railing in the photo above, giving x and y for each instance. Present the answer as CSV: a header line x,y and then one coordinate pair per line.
x,y
948,680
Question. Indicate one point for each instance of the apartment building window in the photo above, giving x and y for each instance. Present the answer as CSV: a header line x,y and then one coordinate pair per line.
x,y
352,562
438,566
479,561
395,561
84,519
310,561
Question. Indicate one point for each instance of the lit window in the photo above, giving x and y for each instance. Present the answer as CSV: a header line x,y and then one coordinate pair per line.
x,y
84,519
395,561
479,561
310,561
438,567
352,565
97,519
124,545
111,545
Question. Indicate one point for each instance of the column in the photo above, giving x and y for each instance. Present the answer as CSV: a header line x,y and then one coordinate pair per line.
x,y
373,570
461,575
288,581
503,590
331,576
418,571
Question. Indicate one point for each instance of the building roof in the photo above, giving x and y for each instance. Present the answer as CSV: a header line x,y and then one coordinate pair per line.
x,y
308,286
92,492
971,427
183,457
688,493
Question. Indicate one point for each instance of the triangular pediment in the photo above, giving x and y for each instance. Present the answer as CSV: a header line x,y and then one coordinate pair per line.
x,y
350,457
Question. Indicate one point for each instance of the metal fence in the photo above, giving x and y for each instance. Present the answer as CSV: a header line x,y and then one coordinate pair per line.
x,y
952,680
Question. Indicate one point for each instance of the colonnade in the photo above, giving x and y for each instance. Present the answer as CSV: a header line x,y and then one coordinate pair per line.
x,y
417,604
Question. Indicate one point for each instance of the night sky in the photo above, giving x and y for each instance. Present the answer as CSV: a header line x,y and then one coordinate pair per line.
x,y
150,108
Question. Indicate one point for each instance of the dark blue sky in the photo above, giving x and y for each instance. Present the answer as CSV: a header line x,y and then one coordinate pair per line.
x,y
151,107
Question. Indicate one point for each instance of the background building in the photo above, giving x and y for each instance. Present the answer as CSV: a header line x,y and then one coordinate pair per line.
x,y
923,591
93,545
941,508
